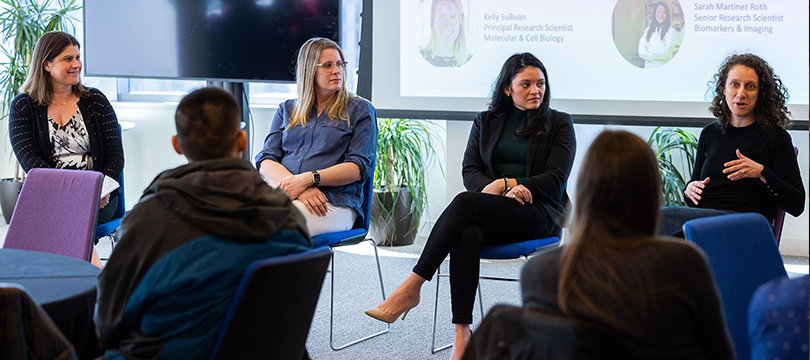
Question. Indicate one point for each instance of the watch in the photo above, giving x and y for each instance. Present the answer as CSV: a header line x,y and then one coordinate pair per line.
x,y
316,178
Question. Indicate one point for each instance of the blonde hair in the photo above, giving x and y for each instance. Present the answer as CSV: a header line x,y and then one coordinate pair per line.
x,y
459,45
38,83
305,71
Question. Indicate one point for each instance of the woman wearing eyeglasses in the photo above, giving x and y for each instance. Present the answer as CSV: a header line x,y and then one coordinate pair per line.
x,y
321,145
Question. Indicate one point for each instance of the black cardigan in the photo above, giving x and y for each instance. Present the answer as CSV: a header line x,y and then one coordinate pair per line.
x,y
548,163
30,135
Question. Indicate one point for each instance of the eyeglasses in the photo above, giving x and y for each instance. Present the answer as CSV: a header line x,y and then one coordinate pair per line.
x,y
328,66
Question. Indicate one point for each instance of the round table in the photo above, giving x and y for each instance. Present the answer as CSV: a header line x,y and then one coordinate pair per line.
x,y
65,287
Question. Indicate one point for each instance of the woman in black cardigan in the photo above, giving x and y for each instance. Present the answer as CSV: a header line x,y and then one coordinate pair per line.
x,y
59,123
515,168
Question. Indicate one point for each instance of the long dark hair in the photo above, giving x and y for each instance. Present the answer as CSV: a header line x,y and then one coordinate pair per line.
x,y
664,26
770,109
617,206
501,105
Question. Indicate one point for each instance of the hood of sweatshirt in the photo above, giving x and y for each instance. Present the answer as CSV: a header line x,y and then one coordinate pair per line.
x,y
227,198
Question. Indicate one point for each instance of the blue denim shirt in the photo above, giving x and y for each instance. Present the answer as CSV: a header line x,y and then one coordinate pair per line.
x,y
325,142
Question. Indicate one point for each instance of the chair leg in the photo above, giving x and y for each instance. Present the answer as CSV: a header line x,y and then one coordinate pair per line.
x,y
433,348
439,275
332,304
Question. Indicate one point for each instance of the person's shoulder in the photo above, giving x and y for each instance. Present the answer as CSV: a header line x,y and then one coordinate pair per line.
x,y
485,115
712,128
360,103
556,115
21,101
288,104
549,259
93,92
678,250
22,97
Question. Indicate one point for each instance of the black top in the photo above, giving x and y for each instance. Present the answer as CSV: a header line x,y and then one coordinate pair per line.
x,y
772,148
684,320
509,157
548,160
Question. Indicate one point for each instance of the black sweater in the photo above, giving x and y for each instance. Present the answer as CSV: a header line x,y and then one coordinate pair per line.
x,y
772,148
30,136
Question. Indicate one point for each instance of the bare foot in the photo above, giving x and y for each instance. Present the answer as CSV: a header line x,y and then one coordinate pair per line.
x,y
460,340
402,295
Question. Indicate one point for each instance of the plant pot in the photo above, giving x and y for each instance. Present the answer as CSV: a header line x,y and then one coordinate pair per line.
x,y
9,192
393,222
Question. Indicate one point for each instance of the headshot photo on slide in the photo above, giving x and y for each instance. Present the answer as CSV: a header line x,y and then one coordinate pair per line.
x,y
444,32
648,33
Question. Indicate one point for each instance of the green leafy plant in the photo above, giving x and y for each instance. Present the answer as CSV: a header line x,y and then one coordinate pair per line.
x,y
22,23
405,149
675,149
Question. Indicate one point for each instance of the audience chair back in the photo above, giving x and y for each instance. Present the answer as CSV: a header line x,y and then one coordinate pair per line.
x,y
779,219
511,332
56,213
271,312
743,255
27,331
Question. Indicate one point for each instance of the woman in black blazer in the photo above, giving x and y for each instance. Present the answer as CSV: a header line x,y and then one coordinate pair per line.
x,y
518,159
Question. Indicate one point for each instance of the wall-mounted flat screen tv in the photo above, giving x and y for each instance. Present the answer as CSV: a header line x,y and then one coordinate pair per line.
x,y
233,40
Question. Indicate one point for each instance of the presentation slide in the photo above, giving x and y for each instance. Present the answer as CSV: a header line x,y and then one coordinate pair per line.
x,y
625,57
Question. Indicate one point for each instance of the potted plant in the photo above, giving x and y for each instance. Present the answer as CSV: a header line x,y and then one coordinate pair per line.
x,y
405,149
22,23
675,150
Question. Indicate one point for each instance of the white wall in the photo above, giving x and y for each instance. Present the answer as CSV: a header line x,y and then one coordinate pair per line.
x,y
148,152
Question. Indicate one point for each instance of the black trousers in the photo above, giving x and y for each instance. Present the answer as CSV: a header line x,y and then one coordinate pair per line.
x,y
471,221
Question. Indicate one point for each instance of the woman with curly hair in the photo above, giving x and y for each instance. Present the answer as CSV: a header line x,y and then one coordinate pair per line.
x,y
745,160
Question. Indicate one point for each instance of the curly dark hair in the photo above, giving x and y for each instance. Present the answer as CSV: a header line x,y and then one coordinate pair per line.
x,y
536,122
770,110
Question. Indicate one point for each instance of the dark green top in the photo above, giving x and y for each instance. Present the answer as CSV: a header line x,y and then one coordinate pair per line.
x,y
511,152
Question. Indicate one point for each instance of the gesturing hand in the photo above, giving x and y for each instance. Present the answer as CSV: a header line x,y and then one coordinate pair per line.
x,y
521,194
314,200
294,185
742,168
694,190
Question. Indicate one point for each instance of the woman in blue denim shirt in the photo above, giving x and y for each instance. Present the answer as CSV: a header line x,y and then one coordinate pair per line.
x,y
321,146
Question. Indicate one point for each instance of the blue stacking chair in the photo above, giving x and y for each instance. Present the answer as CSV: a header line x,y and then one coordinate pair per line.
x,y
352,237
522,249
271,311
743,255
109,227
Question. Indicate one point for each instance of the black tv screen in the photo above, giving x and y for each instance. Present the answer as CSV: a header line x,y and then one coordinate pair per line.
x,y
233,40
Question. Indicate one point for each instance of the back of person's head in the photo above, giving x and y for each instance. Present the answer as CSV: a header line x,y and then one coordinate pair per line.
x,y
618,189
617,204
306,68
770,109
38,83
208,125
